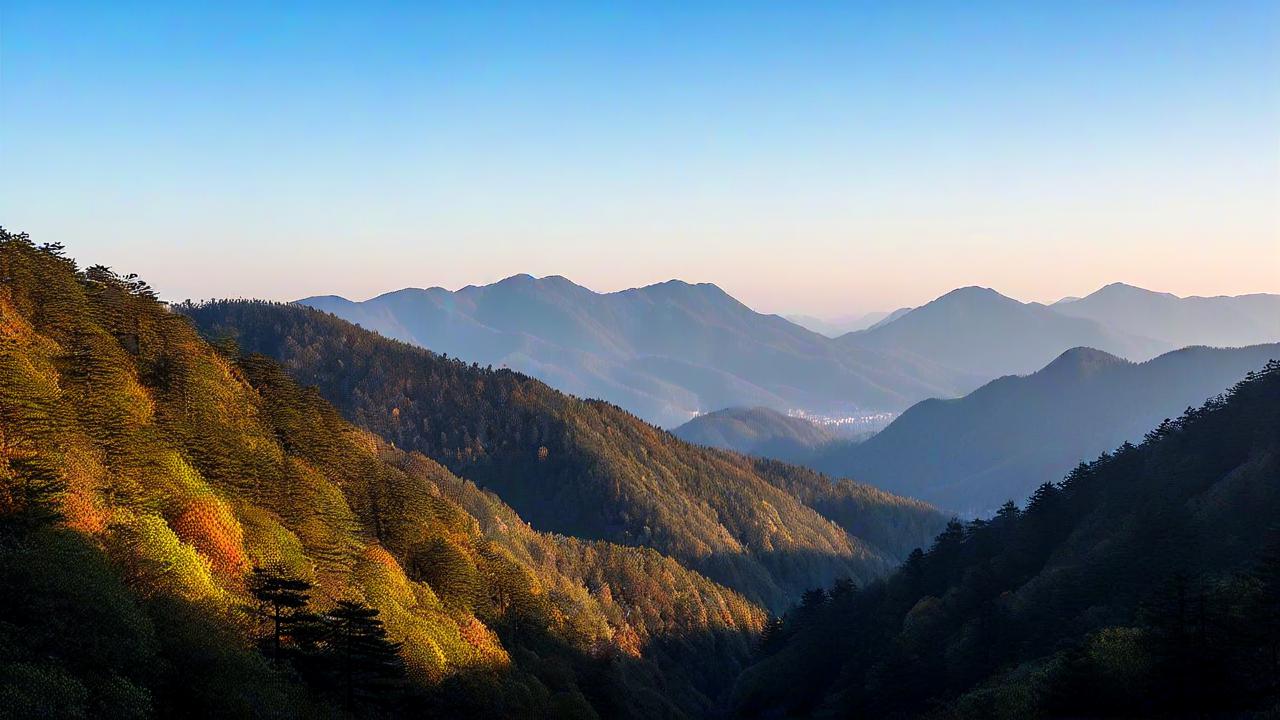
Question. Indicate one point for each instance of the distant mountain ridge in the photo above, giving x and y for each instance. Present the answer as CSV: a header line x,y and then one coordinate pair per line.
x,y
666,351
835,327
1217,321
671,351
972,453
979,331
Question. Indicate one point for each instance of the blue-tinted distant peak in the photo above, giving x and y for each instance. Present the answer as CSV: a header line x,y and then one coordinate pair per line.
x,y
972,292
1082,359
1125,290
677,285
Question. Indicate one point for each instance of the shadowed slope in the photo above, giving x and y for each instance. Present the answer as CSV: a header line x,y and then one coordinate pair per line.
x,y
584,468
1144,584
1002,440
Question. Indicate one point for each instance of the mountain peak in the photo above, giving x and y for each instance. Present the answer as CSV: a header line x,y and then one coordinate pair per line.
x,y
1125,290
1081,360
674,285
678,283
519,279
973,293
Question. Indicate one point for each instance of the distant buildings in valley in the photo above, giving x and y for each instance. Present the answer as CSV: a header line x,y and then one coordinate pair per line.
x,y
857,422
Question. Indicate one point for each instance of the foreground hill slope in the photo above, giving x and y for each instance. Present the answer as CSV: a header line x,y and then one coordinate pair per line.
x,y
144,473
587,468
665,351
979,331
1145,584
1001,441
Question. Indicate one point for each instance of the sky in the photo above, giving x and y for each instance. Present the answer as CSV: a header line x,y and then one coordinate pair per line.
x,y
808,157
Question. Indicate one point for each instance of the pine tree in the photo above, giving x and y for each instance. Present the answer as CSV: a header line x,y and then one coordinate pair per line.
x,y
771,637
361,656
282,601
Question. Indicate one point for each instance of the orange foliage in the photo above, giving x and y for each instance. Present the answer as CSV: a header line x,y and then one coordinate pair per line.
x,y
82,513
484,640
378,555
208,525
627,641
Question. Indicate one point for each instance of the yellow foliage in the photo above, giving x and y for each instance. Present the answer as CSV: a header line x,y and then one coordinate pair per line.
x,y
434,641
177,483
271,545
157,561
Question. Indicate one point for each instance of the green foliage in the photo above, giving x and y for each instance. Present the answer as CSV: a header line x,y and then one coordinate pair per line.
x,y
144,472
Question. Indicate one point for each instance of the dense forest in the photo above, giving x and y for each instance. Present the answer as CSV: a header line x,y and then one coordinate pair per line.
x,y
1144,584
270,512
587,468
185,531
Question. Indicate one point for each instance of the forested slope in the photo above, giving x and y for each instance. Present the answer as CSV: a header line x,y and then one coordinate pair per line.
x,y
587,468
146,475
1145,584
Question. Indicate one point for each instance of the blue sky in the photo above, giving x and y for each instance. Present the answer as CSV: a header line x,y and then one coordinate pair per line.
x,y
829,158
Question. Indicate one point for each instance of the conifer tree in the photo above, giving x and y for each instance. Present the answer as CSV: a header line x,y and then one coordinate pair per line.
x,y
361,656
282,601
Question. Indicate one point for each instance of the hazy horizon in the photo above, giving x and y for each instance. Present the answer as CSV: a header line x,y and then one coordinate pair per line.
x,y
838,317
819,160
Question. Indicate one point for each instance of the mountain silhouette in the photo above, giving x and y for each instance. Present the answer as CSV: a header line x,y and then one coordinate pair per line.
x,y
665,352
979,331
1216,321
999,442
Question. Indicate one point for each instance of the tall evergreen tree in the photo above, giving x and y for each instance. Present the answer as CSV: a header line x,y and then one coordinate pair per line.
x,y
282,602
362,657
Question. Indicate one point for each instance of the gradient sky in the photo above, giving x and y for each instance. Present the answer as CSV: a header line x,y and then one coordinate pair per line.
x,y
828,158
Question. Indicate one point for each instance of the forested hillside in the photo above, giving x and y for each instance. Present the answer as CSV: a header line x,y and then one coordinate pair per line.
x,y
587,468
185,531
1144,584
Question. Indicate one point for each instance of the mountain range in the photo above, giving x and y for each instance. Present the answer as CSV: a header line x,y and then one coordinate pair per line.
x,y
587,468
256,509
981,332
665,352
671,351
999,442
1220,321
